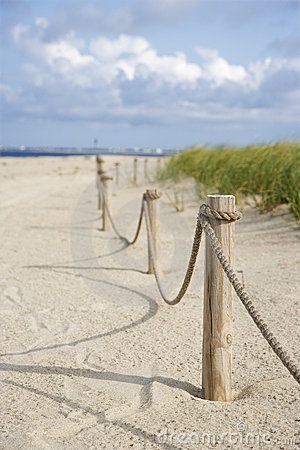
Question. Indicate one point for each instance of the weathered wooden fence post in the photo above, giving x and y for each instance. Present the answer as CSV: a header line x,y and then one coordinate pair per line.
x,y
99,187
217,314
151,197
99,163
146,169
100,171
135,162
117,164
104,181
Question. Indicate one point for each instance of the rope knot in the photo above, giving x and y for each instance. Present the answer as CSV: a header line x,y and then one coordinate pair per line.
x,y
211,213
152,194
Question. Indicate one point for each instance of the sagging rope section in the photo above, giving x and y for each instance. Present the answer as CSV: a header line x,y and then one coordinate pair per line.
x,y
191,264
203,224
138,228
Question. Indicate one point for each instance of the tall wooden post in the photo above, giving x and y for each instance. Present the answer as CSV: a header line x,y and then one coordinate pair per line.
x,y
105,222
146,169
117,164
217,315
151,197
99,187
99,163
135,162
100,171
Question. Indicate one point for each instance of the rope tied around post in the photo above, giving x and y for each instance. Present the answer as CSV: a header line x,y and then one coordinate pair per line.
x,y
204,214
203,224
152,194
209,212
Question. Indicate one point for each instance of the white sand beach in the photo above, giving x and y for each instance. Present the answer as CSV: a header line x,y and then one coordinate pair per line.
x,y
91,357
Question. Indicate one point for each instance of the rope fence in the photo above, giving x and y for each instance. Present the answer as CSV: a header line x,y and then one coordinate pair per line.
x,y
217,225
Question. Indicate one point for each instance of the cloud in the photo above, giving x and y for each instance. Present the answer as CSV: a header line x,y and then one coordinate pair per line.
x,y
126,80
134,57
218,70
127,56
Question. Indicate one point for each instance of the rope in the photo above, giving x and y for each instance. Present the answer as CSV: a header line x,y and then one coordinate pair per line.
x,y
220,215
205,213
191,264
286,360
139,225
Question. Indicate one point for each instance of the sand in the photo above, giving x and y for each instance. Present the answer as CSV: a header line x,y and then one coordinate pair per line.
x,y
91,357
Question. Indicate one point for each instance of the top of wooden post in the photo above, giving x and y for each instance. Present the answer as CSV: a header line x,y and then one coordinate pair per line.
x,y
224,203
219,196
152,194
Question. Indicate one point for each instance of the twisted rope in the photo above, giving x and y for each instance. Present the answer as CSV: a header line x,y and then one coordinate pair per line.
x,y
205,213
286,360
220,215
191,264
152,194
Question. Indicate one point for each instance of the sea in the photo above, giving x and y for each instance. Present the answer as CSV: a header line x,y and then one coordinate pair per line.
x,y
24,151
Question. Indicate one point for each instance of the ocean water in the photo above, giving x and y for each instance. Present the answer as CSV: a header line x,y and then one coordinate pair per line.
x,y
30,151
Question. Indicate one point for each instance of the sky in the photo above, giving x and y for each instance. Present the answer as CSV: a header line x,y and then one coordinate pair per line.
x,y
149,73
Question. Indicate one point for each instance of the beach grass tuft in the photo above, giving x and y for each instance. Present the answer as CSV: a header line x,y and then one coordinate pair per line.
x,y
270,174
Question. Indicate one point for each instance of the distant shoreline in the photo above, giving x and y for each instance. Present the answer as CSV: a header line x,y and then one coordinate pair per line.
x,y
84,152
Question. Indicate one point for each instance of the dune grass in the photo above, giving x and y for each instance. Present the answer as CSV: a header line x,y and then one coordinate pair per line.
x,y
268,173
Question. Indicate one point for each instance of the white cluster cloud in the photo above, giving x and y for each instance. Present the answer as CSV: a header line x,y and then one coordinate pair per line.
x,y
126,79
105,60
134,57
217,70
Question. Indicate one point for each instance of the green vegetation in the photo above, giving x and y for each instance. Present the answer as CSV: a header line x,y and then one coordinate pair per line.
x,y
176,200
268,173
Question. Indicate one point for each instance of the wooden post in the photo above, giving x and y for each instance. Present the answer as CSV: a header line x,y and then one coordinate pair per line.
x,y
99,163
146,169
105,221
117,164
135,161
217,313
152,197
100,171
99,187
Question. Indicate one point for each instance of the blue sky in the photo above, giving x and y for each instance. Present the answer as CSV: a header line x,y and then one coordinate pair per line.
x,y
149,73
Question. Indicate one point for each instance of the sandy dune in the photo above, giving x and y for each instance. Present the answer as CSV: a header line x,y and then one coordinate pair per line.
x,y
92,358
